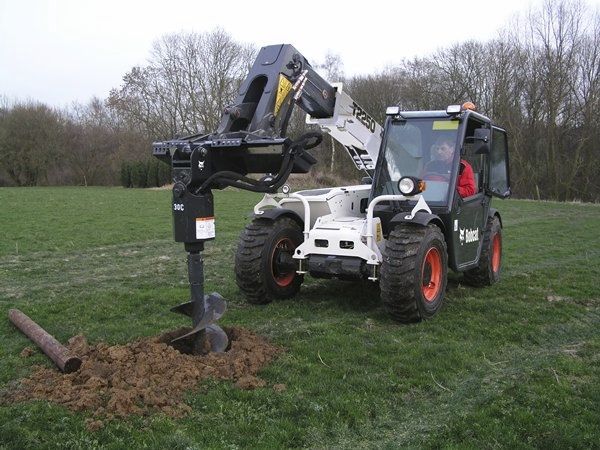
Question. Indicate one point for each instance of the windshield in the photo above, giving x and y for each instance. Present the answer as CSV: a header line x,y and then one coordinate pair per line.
x,y
422,148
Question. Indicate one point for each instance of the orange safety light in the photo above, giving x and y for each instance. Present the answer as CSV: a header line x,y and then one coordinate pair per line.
x,y
469,105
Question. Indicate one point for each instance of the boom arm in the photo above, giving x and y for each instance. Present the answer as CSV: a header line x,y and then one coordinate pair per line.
x,y
251,137
354,128
280,77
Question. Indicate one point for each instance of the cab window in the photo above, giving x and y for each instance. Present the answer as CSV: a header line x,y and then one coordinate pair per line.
x,y
477,161
499,178
409,151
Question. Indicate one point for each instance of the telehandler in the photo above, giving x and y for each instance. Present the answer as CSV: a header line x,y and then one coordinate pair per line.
x,y
403,227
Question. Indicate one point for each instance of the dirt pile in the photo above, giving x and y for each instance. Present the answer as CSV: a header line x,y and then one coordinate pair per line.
x,y
144,376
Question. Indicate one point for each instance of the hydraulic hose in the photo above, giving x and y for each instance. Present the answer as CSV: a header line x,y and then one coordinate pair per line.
x,y
306,142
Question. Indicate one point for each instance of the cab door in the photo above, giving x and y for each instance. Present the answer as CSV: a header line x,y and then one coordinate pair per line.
x,y
469,214
468,217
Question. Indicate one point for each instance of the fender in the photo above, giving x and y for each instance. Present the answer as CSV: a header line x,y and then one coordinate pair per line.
x,y
494,212
275,213
421,218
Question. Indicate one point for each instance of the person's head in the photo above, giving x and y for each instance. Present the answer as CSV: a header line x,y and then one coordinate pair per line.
x,y
443,150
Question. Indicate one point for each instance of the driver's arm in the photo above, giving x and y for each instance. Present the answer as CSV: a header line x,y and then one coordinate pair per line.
x,y
466,180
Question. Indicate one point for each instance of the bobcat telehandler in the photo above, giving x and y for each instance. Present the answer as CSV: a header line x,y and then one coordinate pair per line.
x,y
403,227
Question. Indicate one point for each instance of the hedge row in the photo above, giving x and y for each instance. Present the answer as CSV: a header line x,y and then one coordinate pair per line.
x,y
142,174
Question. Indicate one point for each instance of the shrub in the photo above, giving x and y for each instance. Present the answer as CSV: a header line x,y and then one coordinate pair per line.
x,y
152,173
126,174
139,171
164,174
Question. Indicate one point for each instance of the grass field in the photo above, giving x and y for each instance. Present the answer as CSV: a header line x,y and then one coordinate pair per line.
x,y
516,365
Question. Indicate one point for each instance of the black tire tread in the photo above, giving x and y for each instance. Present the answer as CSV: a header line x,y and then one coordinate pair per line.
x,y
248,258
398,274
482,275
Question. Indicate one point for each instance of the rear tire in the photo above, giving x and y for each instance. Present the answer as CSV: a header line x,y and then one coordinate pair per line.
x,y
264,268
490,260
414,272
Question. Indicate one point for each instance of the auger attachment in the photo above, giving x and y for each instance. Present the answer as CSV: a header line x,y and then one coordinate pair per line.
x,y
205,310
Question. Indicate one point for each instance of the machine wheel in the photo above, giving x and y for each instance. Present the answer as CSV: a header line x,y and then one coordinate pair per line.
x,y
490,260
264,268
414,272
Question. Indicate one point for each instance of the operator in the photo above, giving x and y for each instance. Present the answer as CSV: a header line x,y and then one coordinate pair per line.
x,y
442,154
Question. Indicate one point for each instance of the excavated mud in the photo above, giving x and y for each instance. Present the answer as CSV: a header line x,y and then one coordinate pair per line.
x,y
144,376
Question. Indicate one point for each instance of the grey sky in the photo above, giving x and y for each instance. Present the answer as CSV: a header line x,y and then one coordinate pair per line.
x,y
70,50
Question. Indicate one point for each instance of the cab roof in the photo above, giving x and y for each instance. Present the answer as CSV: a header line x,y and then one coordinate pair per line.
x,y
442,115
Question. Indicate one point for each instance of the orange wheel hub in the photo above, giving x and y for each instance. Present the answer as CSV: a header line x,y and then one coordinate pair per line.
x,y
431,274
496,252
283,274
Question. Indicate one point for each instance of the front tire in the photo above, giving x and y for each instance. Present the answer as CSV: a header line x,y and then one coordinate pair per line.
x,y
490,260
264,268
414,272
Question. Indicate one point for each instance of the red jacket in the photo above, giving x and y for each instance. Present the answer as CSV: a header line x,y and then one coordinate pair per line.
x,y
466,180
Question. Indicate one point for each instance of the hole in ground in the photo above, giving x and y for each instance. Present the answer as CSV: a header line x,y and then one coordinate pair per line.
x,y
186,345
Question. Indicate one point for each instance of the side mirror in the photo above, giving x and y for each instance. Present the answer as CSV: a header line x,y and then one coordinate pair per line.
x,y
481,140
366,180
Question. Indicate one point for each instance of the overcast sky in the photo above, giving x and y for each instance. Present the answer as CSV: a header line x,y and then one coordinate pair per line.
x,y
70,50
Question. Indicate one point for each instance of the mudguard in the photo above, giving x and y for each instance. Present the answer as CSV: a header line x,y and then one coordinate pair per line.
x,y
494,212
275,213
421,218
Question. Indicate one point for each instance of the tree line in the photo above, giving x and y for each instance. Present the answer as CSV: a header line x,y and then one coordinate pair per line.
x,y
539,78
84,145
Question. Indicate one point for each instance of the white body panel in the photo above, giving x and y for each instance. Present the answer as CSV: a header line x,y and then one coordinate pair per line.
x,y
334,224
342,236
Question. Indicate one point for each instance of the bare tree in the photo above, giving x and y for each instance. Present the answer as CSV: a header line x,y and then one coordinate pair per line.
x,y
91,141
332,69
188,81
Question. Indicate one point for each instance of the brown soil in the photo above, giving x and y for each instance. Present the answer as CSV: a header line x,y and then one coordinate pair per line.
x,y
144,376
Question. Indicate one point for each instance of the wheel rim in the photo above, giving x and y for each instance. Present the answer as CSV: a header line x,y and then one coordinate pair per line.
x,y
282,274
431,274
496,252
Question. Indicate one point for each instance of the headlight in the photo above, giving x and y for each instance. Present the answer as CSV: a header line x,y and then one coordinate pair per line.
x,y
285,189
453,109
392,111
411,186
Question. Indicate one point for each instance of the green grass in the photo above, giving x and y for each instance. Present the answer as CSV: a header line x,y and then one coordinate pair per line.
x,y
515,365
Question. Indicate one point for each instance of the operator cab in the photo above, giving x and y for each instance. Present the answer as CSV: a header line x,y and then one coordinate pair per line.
x,y
409,150
412,148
